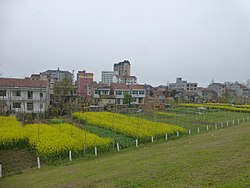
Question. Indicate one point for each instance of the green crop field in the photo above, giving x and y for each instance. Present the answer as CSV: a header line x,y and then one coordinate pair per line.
x,y
218,158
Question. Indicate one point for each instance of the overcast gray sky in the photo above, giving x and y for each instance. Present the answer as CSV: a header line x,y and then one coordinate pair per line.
x,y
163,39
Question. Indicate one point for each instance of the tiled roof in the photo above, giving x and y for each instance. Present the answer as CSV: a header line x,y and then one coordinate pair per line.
x,y
136,86
17,82
119,86
127,87
218,84
101,86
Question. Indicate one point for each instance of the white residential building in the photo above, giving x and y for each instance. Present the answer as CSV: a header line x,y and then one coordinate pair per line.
x,y
107,77
218,88
183,85
24,95
130,80
137,92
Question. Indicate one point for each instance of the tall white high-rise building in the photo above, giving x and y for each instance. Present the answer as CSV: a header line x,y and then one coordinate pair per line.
x,y
107,77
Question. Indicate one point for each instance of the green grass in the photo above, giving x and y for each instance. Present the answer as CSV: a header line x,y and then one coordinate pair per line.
x,y
16,161
191,118
214,159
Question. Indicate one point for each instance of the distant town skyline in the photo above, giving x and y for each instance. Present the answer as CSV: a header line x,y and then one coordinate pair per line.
x,y
197,40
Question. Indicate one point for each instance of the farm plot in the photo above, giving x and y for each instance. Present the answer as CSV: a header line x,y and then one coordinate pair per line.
x,y
12,134
55,142
196,117
130,126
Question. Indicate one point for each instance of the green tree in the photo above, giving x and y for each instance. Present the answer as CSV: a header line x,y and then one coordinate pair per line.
x,y
61,103
127,98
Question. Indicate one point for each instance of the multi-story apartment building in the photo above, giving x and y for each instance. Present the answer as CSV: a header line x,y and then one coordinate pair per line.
x,y
107,77
57,75
137,92
218,88
122,68
206,94
24,95
130,80
85,85
102,94
183,85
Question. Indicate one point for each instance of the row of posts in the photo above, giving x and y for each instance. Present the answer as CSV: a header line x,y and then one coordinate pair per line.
x,y
137,144
152,140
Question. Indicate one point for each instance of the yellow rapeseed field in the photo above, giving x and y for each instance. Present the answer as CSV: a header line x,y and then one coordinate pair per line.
x,y
131,126
56,140
11,132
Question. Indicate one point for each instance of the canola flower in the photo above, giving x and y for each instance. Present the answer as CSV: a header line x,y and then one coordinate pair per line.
x,y
130,126
11,132
83,138
48,141
238,108
56,140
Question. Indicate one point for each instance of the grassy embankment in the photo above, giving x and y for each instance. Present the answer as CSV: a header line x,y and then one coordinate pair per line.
x,y
217,158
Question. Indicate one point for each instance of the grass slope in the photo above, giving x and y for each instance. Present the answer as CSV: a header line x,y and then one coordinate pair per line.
x,y
214,159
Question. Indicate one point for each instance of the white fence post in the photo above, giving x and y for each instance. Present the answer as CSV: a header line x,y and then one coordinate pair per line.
x,y
177,133
152,139
166,137
38,163
233,122
215,126
70,156
95,151
222,124
238,121
118,147
198,129
136,143
207,127
189,131
227,123
1,171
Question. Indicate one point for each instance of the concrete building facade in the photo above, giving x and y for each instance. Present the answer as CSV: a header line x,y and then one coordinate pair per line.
x,y
130,80
122,68
183,85
24,95
107,77
85,87
57,75
137,92
218,88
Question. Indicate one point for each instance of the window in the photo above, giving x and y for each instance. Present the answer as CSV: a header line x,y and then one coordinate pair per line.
x,y
118,92
17,93
41,95
30,94
141,92
135,92
2,93
41,106
30,106
16,104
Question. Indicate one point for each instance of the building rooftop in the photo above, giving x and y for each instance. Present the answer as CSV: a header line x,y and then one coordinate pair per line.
x,y
17,82
55,71
127,87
